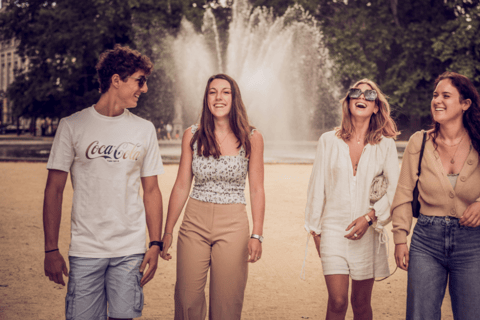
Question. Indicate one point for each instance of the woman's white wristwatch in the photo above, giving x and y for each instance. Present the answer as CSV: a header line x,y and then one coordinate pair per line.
x,y
256,236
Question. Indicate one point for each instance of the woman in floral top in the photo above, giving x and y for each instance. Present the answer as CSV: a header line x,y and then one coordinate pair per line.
x,y
214,234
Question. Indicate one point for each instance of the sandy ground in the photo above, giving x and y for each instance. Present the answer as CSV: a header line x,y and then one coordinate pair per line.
x,y
274,289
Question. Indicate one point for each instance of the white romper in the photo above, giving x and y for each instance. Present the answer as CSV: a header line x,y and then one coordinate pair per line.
x,y
336,197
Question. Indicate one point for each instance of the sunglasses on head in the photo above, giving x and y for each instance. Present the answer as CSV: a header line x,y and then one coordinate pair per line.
x,y
369,95
141,80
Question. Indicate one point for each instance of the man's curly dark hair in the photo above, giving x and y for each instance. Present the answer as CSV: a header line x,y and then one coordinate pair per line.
x,y
122,61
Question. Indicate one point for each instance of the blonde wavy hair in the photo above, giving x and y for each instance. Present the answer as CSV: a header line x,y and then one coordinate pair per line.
x,y
381,123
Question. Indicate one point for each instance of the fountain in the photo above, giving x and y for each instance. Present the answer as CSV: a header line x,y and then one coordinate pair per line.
x,y
280,64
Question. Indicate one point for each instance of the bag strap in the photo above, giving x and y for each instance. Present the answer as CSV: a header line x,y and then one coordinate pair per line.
x,y
421,153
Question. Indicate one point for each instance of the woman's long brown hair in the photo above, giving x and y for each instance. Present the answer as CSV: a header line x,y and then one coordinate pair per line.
x,y
471,117
205,136
381,123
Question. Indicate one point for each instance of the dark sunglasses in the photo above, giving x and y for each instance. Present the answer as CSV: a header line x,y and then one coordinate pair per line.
x,y
369,95
141,80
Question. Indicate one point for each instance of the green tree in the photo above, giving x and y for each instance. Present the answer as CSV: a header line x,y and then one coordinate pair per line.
x,y
403,46
155,24
280,6
390,44
459,44
62,40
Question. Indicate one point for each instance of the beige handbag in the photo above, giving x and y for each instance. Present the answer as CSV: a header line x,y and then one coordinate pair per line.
x,y
378,188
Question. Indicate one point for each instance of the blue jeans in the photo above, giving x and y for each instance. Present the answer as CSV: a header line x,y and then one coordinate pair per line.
x,y
442,250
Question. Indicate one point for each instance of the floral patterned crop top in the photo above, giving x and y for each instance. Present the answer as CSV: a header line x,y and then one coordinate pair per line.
x,y
219,180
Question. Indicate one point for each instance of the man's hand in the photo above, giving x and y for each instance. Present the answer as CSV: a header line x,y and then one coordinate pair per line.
x,y
55,265
151,258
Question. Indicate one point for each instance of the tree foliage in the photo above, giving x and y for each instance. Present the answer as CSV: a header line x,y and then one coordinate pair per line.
x,y
153,22
401,45
459,43
63,40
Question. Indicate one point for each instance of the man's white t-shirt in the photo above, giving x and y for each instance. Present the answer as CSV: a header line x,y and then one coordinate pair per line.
x,y
106,157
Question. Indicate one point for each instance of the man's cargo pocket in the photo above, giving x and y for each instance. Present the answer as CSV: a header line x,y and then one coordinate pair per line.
x,y
70,301
138,306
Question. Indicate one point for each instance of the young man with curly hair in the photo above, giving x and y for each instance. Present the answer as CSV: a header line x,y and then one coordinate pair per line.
x,y
109,152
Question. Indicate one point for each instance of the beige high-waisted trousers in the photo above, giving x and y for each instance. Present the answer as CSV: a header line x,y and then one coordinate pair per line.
x,y
212,236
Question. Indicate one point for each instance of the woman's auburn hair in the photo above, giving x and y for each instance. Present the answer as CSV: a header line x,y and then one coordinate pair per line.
x,y
471,117
381,123
205,135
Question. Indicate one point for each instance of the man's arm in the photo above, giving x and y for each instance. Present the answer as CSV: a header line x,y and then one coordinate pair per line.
x,y
54,264
152,198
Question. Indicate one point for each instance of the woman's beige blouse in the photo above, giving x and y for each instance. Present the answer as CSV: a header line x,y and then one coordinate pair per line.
x,y
437,196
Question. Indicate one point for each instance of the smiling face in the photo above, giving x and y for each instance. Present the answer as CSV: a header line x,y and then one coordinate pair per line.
x,y
446,103
220,98
360,107
130,91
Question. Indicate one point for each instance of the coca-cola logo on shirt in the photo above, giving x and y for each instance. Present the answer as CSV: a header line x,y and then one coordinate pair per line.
x,y
124,151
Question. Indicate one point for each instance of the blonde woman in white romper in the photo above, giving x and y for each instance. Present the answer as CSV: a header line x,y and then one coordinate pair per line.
x,y
214,234
338,212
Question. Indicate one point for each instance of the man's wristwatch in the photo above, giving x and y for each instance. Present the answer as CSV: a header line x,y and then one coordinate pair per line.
x,y
256,236
369,220
156,243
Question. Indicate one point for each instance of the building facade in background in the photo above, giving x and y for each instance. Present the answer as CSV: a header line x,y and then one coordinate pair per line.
x,y
9,63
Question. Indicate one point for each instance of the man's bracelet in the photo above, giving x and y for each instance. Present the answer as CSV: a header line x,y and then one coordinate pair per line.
x,y
51,250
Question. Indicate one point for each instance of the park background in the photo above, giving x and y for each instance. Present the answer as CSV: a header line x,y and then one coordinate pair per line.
x,y
293,60
314,49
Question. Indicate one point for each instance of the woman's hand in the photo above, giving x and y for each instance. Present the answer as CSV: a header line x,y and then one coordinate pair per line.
x,y
254,250
402,256
167,243
360,227
471,216
316,239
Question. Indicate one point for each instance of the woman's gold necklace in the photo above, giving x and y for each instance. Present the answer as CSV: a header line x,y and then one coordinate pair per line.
x,y
355,167
452,161
220,143
358,139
